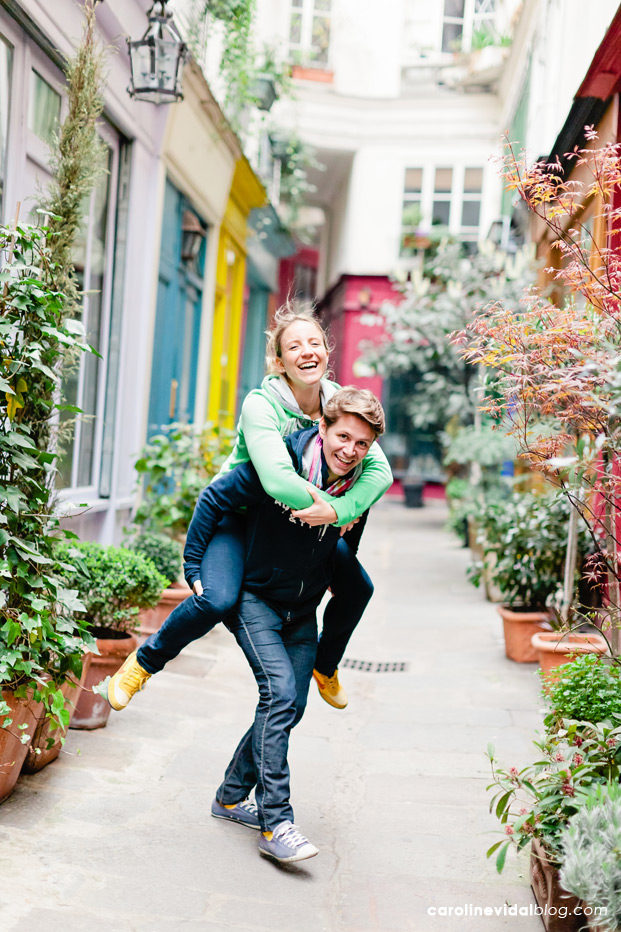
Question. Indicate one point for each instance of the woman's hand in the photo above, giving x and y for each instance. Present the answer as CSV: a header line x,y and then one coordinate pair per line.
x,y
320,512
348,527
198,587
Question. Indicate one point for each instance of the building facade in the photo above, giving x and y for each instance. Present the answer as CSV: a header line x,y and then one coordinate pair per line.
x,y
406,110
160,257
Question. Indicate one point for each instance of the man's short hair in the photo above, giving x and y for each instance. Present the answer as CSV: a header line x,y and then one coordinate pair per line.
x,y
358,401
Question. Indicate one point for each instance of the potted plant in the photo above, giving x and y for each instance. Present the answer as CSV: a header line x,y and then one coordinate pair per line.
x,y
41,640
586,690
580,748
552,369
413,486
114,584
167,557
524,540
536,803
591,865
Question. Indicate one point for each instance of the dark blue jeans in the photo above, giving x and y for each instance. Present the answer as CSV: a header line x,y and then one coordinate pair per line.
x,y
222,571
280,649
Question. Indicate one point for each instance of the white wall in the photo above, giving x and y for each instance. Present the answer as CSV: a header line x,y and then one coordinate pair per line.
x,y
560,38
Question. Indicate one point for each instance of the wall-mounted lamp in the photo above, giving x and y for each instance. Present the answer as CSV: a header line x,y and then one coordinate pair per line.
x,y
192,236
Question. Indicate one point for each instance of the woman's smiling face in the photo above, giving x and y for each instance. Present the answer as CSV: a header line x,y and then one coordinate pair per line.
x,y
303,356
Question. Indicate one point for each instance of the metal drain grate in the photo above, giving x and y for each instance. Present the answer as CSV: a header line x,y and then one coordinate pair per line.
x,y
369,666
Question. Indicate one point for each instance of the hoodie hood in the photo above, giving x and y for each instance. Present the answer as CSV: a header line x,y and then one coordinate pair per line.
x,y
280,389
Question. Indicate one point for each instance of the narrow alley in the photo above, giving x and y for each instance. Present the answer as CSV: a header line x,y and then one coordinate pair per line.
x,y
118,836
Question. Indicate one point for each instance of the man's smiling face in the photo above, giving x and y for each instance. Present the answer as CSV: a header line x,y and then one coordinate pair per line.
x,y
345,443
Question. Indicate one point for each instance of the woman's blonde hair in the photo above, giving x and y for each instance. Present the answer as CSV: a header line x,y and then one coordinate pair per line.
x,y
358,401
287,314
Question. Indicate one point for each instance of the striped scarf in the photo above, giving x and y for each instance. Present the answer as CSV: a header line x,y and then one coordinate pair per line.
x,y
339,486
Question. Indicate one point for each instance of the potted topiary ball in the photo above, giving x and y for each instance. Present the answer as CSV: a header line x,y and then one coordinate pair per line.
x,y
114,584
167,556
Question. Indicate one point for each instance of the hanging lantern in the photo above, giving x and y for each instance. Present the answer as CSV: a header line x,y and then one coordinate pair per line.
x,y
157,59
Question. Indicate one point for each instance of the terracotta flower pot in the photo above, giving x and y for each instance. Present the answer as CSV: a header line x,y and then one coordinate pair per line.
x,y
308,73
39,755
92,710
12,751
554,648
152,619
550,896
519,628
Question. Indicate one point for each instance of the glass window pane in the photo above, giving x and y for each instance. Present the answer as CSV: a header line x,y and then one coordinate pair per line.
x,y
320,38
295,32
441,212
414,180
454,8
95,285
451,37
444,180
484,6
470,213
473,180
89,394
411,214
44,109
322,4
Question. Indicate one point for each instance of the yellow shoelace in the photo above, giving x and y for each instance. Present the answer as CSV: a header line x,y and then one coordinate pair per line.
x,y
135,679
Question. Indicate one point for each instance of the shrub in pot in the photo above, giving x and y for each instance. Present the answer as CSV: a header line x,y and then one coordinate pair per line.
x,y
524,541
164,552
591,864
167,557
586,690
114,584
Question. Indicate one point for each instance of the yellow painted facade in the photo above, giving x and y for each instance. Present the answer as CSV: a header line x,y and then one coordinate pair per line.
x,y
246,192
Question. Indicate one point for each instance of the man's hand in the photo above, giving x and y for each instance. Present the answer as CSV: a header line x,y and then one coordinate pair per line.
x,y
320,512
198,587
348,527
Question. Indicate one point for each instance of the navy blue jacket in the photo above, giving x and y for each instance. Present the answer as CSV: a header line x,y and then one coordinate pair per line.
x,y
287,562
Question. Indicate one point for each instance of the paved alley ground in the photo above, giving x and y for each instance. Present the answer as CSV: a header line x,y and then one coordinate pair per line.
x,y
116,836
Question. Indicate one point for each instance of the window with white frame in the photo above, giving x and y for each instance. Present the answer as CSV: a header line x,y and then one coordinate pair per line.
x,y
467,24
35,87
309,31
440,198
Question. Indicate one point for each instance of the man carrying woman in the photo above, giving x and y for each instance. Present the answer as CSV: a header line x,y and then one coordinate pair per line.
x,y
288,567
292,396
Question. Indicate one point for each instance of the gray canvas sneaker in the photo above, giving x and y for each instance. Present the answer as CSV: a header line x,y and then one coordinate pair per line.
x,y
244,812
287,844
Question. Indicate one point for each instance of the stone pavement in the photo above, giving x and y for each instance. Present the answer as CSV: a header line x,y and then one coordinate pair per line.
x,y
116,835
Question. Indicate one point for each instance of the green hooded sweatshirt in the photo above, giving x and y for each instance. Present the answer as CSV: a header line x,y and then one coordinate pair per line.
x,y
270,413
